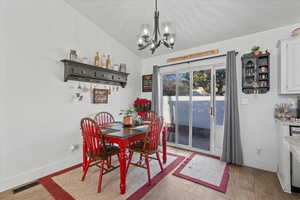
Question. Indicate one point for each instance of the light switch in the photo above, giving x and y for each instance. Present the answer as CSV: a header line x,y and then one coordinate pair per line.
x,y
244,101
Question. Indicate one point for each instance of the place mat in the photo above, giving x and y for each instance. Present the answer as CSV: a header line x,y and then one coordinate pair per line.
x,y
140,128
109,130
205,170
66,184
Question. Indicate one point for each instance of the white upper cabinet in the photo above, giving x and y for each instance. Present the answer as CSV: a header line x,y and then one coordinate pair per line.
x,y
290,66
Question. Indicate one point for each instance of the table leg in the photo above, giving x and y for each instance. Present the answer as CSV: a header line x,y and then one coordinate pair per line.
x,y
164,144
122,168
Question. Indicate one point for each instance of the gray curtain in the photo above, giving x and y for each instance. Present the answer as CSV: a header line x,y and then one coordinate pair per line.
x,y
232,148
156,92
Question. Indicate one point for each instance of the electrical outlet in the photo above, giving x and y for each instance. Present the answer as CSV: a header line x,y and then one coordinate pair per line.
x,y
258,151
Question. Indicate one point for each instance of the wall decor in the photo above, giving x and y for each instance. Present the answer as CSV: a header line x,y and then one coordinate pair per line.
x,y
256,72
78,71
77,97
193,55
100,96
147,83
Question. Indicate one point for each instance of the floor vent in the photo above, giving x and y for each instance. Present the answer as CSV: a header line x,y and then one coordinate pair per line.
x,y
25,187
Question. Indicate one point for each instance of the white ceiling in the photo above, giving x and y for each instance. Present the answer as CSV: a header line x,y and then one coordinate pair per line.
x,y
196,22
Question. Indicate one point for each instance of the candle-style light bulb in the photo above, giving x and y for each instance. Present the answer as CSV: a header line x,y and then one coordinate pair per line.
x,y
145,31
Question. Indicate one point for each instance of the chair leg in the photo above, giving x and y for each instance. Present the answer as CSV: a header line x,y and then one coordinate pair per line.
x,y
86,167
148,169
108,162
100,176
129,160
141,157
118,157
159,161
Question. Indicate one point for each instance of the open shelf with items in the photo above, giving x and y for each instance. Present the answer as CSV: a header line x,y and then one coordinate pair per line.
x,y
90,73
256,73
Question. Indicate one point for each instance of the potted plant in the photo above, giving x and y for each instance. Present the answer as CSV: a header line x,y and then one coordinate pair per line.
x,y
128,115
142,105
256,50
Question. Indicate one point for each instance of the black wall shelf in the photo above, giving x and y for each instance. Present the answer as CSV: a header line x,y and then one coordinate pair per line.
x,y
93,74
256,73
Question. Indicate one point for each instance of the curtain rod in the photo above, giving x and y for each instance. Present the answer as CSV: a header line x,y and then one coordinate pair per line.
x,y
195,60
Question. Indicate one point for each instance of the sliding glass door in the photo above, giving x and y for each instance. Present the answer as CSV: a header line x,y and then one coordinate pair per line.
x,y
193,108
201,109
183,108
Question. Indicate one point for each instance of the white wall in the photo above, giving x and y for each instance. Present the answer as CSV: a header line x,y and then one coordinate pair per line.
x,y
2,77
256,118
41,122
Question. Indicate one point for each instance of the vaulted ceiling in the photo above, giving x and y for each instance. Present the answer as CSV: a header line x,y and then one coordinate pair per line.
x,y
196,22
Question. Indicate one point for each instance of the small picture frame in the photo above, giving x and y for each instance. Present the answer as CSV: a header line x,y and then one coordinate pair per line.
x,y
100,96
147,83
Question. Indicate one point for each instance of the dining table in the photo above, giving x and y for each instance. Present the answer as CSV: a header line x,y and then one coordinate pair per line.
x,y
122,136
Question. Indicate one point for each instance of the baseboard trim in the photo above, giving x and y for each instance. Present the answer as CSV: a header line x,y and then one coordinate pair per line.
x,y
283,186
31,175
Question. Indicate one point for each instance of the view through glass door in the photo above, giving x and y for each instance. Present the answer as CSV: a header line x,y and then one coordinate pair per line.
x,y
193,108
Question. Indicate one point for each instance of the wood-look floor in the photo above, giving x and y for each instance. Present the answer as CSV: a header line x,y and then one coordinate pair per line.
x,y
244,184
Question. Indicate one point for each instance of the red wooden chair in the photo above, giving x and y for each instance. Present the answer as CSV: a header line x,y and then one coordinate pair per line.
x,y
95,150
104,119
148,147
149,116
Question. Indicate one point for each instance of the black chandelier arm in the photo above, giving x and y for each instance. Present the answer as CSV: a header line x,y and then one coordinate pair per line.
x,y
167,44
144,46
156,32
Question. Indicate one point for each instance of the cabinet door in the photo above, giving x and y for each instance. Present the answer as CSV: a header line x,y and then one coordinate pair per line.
x,y
290,66
283,158
293,65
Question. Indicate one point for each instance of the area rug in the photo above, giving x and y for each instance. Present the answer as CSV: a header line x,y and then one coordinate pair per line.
x,y
66,184
206,170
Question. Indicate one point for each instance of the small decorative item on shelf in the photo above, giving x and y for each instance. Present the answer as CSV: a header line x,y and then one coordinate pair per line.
x,y
103,60
283,111
128,116
97,59
73,55
116,67
122,67
108,62
256,50
85,60
77,97
142,105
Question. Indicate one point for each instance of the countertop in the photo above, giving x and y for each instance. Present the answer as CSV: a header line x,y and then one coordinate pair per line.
x,y
288,122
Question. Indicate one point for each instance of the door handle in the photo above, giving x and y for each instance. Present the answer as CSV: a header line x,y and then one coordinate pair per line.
x,y
210,111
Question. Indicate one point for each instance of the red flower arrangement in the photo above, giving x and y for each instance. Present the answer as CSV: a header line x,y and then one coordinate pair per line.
x,y
142,105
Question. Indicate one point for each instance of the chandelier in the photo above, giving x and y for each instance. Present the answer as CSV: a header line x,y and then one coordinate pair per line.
x,y
155,40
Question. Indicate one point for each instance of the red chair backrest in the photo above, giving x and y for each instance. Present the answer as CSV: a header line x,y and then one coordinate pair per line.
x,y
149,116
92,138
152,137
104,118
